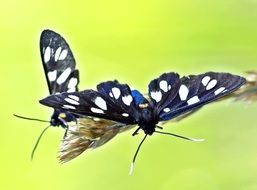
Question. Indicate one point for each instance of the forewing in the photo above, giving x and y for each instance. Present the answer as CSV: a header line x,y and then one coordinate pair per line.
x,y
163,90
195,91
112,101
58,62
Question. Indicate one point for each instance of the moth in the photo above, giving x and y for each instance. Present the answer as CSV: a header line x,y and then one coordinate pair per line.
x,y
170,96
61,75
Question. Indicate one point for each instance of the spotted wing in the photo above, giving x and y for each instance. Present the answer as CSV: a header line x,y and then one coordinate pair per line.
x,y
58,62
174,96
113,101
88,133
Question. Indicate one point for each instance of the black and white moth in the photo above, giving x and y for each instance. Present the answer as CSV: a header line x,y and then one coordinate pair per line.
x,y
169,97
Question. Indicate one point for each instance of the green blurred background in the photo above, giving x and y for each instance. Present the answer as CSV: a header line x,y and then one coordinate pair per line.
x,y
133,41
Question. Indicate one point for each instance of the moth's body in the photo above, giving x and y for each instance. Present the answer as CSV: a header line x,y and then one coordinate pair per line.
x,y
145,116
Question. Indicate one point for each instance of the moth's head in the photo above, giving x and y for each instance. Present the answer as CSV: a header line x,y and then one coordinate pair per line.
x,y
55,118
148,129
147,121
59,118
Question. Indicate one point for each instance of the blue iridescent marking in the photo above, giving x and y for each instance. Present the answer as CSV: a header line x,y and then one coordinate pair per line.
x,y
138,97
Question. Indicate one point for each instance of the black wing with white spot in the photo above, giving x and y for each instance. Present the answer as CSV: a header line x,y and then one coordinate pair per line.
x,y
112,101
174,96
163,90
58,62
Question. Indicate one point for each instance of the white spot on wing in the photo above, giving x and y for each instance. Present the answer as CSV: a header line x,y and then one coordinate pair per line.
x,y
63,77
164,85
71,90
57,53
157,96
52,75
127,100
47,54
71,101
100,102
211,84
166,110
110,94
63,54
116,92
183,92
73,82
68,107
125,114
219,90
96,110
76,98
193,100
205,80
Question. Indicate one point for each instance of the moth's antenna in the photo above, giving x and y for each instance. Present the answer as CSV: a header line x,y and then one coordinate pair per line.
x,y
32,119
37,142
41,134
135,156
179,136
